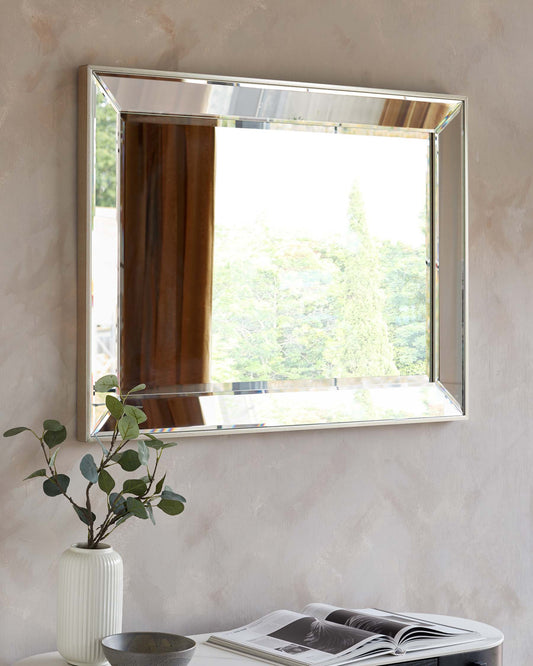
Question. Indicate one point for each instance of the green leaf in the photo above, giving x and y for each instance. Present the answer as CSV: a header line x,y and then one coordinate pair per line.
x,y
150,512
88,468
104,450
134,486
54,456
136,413
39,472
56,484
84,515
52,424
129,460
144,453
128,427
155,444
172,507
136,507
169,494
55,437
14,431
158,444
117,503
106,481
159,484
152,437
139,387
123,519
114,405
106,383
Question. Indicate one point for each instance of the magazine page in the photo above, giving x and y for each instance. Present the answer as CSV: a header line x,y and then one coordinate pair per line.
x,y
367,619
405,630
289,637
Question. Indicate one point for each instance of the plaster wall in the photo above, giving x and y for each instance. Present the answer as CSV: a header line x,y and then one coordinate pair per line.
x,y
427,518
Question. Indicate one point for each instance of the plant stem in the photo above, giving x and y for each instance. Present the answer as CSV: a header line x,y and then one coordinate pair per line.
x,y
90,536
110,531
152,476
110,519
101,530
111,453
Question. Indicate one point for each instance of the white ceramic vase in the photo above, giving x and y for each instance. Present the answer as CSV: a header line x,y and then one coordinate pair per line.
x,y
89,602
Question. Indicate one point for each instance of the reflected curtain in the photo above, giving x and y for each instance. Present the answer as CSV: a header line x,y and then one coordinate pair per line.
x,y
168,224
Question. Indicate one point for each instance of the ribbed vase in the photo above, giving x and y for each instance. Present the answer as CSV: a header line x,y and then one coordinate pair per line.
x,y
89,602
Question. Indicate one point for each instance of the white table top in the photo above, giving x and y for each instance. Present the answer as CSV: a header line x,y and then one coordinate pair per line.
x,y
208,655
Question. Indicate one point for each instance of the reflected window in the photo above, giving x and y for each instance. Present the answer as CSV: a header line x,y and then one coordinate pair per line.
x,y
320,272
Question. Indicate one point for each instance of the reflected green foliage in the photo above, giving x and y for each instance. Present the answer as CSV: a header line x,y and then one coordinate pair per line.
x,y
351,306
106,157
361,345
271,311
406,306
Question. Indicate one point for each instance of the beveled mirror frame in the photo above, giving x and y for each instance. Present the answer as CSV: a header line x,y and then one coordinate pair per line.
x,y
448,217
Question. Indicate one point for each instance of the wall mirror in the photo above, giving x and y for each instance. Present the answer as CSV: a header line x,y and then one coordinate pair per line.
x,y
269,255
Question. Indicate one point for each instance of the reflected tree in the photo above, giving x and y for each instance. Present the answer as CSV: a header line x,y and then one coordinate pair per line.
x,y
361,345
271,311
302,308
106,161
405,284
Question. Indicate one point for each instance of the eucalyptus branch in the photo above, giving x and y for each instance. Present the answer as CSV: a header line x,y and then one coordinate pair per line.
x,y
136,496
152,476
104,536
45,455
120,446
89,512
110,452
103,527
110,519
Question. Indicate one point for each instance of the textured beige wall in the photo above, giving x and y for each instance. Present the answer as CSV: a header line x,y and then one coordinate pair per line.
x,y
428,518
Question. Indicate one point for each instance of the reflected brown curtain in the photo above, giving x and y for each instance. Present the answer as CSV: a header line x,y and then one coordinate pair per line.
x,y
415,114
167,223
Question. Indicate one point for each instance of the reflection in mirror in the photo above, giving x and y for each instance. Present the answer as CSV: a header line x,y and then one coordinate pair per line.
x,y
276,271
105,242
303,281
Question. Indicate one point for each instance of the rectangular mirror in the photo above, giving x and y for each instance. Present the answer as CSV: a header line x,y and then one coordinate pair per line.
x,y
267,255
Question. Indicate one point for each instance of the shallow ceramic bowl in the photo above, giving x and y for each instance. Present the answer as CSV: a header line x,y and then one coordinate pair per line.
x,y
148,648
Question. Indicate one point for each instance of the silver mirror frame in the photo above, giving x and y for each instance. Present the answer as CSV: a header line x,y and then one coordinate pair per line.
x,y
449,229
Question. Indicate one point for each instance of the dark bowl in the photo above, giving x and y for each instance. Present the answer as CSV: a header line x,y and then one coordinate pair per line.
x,y
148,648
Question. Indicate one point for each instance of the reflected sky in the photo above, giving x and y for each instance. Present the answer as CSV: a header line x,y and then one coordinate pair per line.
x,y
301,181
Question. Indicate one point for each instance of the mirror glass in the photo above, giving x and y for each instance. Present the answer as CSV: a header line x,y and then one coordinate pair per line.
x,y
267,255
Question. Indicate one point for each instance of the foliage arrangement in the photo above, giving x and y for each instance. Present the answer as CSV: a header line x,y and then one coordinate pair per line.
x,y
138,496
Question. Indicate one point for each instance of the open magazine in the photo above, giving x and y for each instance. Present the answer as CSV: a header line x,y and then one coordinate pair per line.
x,y
324,635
